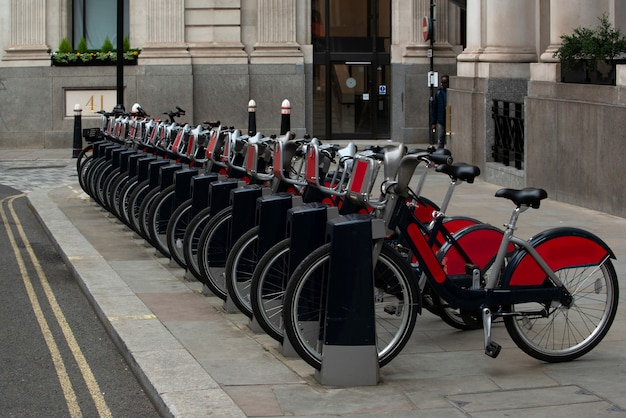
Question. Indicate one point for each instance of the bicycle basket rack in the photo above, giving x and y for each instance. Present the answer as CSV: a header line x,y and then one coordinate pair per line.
x,y
362,179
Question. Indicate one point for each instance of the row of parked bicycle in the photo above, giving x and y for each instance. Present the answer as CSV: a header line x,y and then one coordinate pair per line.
x,y
246,215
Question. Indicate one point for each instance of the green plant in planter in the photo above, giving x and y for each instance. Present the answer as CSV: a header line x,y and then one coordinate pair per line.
x,y
603,43
82,46
66,55
107,45
65,46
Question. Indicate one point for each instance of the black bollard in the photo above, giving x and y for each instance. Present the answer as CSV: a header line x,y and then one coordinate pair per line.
x,y
285,117
78,140
251,118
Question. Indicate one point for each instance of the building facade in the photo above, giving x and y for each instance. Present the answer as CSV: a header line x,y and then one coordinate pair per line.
x,y
351,69
211,56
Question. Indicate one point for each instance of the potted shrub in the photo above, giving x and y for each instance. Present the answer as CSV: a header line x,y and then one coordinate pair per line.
x,y
589,55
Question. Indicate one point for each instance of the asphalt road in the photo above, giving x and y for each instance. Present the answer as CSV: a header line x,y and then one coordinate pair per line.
x,y
56,358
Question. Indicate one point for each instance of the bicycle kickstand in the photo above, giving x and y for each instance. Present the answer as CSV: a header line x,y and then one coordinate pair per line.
x,y
492,348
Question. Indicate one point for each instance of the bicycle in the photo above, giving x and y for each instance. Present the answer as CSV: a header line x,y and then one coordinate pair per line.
x,y
245,252
275,267
557,293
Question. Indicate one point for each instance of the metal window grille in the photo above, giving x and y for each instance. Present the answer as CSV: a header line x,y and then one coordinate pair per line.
x,y
509,133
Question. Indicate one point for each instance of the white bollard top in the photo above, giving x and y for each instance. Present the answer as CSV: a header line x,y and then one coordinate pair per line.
x,y
251,106
285,107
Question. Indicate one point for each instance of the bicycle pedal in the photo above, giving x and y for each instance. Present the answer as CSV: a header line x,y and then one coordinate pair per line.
x,y
391,309
493,349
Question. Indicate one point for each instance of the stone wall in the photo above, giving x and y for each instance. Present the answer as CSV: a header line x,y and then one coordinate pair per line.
x,y
576,144
33,111
574,139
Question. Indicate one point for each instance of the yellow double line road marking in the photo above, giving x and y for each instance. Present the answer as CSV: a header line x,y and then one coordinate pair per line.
x,y
66,384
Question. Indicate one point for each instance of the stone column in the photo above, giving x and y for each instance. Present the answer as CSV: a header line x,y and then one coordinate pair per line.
x,y
566,15
415,45
165,31
510,31
474,16
276,33
28,31
502,41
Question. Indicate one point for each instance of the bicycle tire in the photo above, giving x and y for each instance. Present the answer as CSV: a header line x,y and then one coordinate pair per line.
x,y
242,258
144,212
98,181
213,250
191,241
267,289
176,227
569,333
91,174
393,277
84,172
159,215
116,190
134,203
124,199
106,188
84,154
97,177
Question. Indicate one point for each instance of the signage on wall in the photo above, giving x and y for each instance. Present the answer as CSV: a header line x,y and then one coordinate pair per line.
x,y
427,29
91,101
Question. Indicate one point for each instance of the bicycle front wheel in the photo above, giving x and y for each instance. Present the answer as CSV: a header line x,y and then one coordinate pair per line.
x,y
213,250
567,333
176,228
268,289
240,265
191,241
396,300
159,214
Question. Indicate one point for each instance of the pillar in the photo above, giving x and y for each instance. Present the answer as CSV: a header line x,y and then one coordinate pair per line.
x,y
415,45
566,15
503,39
28,31
276,33
165,32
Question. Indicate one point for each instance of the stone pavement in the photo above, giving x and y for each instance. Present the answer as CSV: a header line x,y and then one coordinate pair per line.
x,y
196,360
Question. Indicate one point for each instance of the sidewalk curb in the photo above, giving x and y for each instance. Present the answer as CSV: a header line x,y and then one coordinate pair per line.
x,y
170,375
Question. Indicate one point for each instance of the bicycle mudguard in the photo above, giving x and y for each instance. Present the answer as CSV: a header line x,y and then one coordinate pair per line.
x,y
480,242
560,248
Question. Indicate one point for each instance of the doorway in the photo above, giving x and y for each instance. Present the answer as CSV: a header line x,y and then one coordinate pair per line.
x,y
351,40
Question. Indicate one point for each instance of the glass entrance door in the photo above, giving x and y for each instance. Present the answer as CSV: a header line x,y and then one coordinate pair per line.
x,y
351,40
359,102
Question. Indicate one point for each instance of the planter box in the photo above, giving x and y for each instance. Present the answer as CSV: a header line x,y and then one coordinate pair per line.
x,y
604,74
92,63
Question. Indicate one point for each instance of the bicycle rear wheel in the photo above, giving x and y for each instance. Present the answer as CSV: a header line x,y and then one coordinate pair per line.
x,y
567,333
396,305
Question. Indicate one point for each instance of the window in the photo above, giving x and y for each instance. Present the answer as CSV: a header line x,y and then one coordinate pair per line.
x,y
95,20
